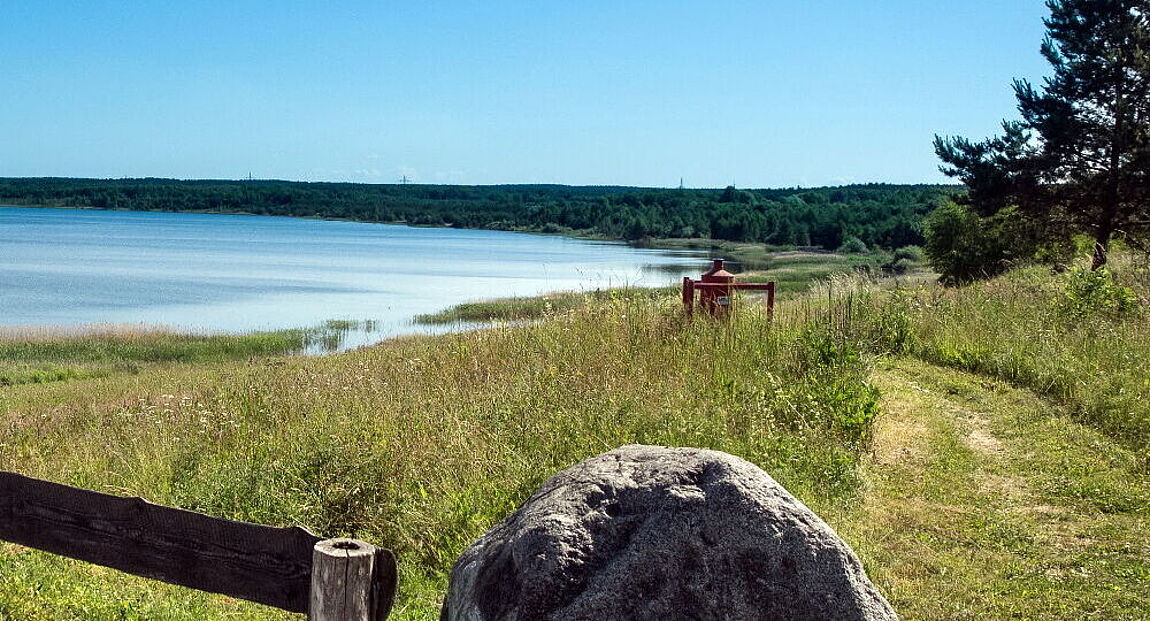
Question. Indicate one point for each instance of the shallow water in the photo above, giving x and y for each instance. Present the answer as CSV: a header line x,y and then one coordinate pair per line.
x,y
242,273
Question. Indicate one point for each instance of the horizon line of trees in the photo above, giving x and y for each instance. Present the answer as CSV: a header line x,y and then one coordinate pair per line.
x,y
880,215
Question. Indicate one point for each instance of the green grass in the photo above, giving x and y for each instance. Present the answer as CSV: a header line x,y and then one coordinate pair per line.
x,y
751,255
505,309
988,501
793,271
537,307
423,443
39,355
1028,329
796,271
935,429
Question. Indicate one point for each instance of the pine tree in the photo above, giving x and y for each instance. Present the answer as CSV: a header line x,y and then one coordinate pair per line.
x,y
1079,159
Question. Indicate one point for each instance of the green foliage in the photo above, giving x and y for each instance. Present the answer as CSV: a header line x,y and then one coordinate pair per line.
x,y
1091,293
904,260
963,246
902,266
853,245
878,214
960,247
1077,161
825,348
914,254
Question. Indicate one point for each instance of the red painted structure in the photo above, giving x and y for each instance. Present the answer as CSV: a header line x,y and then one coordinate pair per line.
x,y
715,288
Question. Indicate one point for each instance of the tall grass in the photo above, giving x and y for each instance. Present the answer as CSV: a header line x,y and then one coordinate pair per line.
x,y
793,272
530,308
422,443
49,354
1086,347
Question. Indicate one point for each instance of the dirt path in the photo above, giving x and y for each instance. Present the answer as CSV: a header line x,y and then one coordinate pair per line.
x,y
984,501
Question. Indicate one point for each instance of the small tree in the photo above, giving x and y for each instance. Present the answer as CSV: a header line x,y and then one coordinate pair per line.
x,y
853,245
964,246
1079,160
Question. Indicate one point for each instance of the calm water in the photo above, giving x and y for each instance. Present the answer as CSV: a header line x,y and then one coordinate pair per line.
x,y
242,273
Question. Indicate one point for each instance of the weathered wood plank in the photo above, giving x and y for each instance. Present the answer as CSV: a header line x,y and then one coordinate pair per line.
x,y
384,583
258,563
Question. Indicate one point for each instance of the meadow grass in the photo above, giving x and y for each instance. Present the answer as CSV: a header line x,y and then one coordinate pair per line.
x,y
534,307
1031,328
982,490
793,271
422,443
39,354
751,255
989,501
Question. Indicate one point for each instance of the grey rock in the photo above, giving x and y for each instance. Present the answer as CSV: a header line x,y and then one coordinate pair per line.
x,y
645,532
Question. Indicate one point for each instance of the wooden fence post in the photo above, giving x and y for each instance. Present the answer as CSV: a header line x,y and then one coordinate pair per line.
x,y
688,295
346,575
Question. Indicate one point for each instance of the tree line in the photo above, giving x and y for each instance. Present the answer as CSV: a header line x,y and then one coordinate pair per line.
x,y
880,215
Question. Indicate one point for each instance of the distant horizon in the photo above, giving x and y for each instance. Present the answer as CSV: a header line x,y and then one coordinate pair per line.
x,y
479,185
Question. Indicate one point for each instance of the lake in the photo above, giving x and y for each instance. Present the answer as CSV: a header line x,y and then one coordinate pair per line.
x,y
228,273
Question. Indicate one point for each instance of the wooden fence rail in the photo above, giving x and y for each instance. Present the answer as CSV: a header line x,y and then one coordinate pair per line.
x,y
289,568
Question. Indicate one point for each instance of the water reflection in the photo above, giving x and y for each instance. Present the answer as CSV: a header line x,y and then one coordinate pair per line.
x,y
358,283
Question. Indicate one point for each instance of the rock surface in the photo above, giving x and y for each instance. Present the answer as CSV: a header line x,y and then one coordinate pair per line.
x,y
646,532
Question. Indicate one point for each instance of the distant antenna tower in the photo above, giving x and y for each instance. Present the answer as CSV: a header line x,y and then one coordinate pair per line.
x,y
404,180
680,183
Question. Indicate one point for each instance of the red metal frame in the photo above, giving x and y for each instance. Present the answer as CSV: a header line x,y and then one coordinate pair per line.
x,y
715,288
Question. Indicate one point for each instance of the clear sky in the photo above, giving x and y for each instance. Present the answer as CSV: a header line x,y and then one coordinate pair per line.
x,y
760,93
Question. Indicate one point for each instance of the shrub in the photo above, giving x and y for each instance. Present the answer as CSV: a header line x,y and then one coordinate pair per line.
x,y
912,254
902,266
1094,292
963,246
853,245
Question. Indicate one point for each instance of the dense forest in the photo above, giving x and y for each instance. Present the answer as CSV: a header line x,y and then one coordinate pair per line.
x,y
878,214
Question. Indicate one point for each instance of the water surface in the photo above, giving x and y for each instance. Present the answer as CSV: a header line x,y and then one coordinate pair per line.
x,y
241,273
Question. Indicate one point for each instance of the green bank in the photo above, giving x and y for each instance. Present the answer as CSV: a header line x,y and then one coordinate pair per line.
x,y
983,448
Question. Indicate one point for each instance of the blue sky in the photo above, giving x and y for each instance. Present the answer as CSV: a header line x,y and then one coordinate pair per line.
x,y
759,94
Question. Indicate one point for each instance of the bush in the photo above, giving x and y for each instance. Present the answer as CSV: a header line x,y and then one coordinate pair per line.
x,y
902,266
912,254
903,260
1093,293
853,245
963,246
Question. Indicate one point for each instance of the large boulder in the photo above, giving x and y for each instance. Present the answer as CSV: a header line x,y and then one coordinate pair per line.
x,y
645,532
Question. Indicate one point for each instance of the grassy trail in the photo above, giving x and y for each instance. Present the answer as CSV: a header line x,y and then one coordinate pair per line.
x,y
984,501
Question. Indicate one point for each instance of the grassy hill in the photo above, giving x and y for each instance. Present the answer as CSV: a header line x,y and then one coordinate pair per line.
x,y
983,449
